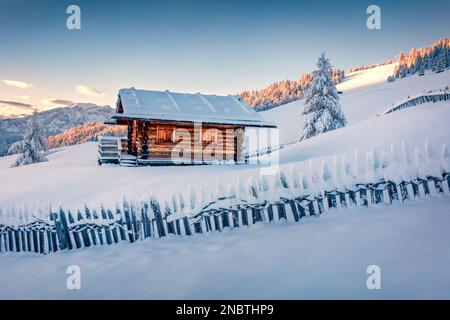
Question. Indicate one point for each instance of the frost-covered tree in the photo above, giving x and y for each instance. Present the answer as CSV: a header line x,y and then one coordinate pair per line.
x,y
322,111
435,57
15,148
440,62
33,144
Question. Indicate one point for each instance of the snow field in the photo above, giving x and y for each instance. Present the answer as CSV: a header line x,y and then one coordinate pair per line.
x,y
324,258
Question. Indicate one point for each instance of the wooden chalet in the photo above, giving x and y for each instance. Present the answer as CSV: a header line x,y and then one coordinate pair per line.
x,y
179,128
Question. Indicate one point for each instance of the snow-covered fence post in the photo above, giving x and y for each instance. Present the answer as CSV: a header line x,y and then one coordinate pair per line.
x,y
41,239
10,239
364,196
407,163
120,223
106,225
97,227
65,229
431,169
420,182
21,231
134,221
1,237
281,211
218,223
158,218
82,226
329,199
16,239
48,229
129,224
235,215
391,194
113,223
59,234
146,223
90,225
75,234
445,165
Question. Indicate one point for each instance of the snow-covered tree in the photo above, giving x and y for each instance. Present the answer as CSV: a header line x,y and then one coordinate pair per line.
x,y
435,57
15,148
322,111
33,144
440,62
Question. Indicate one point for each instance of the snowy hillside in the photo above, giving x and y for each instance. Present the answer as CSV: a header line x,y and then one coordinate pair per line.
x,y
365,94
59,180
53,121
324,257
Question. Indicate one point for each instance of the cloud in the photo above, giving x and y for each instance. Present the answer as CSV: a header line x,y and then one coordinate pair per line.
x,y
17,84
15,108
24,97
15,104
88,91
53,102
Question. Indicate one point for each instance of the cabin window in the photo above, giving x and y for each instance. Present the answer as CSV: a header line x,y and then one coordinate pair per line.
x,y
209,136
165,134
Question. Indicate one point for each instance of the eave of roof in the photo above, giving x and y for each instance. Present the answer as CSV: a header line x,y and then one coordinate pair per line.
x,y
187,108
245,123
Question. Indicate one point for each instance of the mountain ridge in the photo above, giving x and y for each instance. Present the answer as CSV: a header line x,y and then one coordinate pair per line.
x,y
53,122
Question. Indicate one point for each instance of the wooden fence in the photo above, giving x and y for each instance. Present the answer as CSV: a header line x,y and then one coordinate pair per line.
x,y
65,230
420,99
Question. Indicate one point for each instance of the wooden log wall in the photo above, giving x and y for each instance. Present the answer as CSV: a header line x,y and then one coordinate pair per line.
x,y
145,144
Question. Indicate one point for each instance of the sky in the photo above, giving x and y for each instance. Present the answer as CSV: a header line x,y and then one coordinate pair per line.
x,y
221,47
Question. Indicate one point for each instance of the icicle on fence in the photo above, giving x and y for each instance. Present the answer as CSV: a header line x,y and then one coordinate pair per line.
x,y
291,195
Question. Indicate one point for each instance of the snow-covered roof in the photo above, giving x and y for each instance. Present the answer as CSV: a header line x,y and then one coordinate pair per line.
x,y
186,107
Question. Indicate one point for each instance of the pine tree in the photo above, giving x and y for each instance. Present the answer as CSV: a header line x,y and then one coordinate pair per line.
x,y
422,69
323,112
441,63
33,145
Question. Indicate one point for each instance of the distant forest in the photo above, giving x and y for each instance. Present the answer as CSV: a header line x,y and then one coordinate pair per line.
x,y
283,92
435,58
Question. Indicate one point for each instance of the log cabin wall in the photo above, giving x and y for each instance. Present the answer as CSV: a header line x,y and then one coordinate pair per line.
x,y
204,146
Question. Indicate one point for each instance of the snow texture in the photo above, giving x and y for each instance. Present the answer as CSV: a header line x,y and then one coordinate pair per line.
x,y
172,106
323,258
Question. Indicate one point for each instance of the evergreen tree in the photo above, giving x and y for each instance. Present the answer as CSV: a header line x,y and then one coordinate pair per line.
x,y
441,63
322,111
33,145
422,69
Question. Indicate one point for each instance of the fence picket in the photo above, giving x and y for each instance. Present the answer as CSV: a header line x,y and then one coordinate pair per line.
x,y
235,214
431,186
187,227
90,225
281,211
65,229
16,240
129,225
270,212
112,222
295,214
22,238
107,229
98,227
41,241
81,224
244,217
